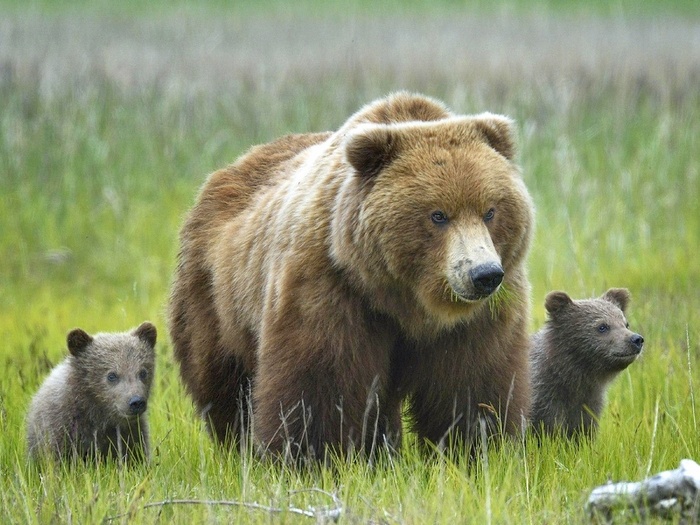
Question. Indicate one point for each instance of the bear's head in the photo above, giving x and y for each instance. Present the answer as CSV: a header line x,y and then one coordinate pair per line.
x,y
594,331
115,370
434,212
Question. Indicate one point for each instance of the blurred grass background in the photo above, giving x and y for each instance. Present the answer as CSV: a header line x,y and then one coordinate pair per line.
x,y
112,115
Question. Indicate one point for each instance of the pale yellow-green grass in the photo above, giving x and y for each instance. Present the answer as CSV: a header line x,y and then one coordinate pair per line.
x,y
110,122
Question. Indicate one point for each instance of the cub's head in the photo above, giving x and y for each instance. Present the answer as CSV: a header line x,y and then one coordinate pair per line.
x,y
594,330
115,369
440,208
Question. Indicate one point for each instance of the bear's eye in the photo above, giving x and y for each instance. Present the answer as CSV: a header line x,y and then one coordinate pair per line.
x,y
602,328
439,217
489,215
143,374
627,325
112,377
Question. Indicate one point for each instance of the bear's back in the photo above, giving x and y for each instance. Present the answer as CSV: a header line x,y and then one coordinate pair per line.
x,y
50,409
230,190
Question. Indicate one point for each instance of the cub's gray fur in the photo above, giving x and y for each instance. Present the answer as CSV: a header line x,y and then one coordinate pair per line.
x,y
93,403
582,347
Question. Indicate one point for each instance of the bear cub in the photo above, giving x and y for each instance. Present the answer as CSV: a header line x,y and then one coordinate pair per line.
x,y
582,347
93,404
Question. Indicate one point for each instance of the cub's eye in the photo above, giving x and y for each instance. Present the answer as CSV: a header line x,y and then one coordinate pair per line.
x,y
627,325
489,215
112,377
143,374
439,217
602,328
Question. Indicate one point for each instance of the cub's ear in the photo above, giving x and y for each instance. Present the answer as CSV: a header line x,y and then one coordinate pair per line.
x,y
498,131
78,340
371,149
555,301
618,296
147,333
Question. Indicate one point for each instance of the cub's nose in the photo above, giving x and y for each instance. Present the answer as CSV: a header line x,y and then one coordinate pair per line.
x,y
137,405
637,341
486,278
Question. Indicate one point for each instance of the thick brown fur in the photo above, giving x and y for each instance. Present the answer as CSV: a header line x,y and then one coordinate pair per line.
x,y
582,347
93,404
325,278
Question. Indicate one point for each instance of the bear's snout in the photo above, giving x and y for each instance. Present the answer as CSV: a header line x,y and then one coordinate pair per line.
x,y
637,342
486,278
137,405
474,271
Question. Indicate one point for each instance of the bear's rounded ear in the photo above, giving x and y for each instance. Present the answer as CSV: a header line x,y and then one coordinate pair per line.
x,y
555,301
371,149
147,333
618,296
498,131
78,340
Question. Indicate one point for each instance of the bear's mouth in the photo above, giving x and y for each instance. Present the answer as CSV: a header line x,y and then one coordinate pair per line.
x,y
629,355
457,297
461,296
625,358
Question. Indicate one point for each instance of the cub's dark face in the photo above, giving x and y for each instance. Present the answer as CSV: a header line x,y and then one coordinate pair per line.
x,y
595,329
612,342
116,370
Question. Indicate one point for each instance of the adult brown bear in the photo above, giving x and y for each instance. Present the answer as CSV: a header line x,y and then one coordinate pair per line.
x,y
325,278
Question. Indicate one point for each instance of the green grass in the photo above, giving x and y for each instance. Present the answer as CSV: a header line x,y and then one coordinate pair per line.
x,y
109,124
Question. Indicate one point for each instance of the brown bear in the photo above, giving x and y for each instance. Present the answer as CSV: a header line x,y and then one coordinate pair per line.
x,y
582,347
325,278
93,404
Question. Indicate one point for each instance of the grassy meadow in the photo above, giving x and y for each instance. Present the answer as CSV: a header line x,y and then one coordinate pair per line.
x,y
111,118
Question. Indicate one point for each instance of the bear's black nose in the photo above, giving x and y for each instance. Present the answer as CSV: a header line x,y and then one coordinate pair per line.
x,y
137,405
486,278
637,341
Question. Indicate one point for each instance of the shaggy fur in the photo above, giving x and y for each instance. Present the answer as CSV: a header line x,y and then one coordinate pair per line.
x,y
325,278
93,403
580,350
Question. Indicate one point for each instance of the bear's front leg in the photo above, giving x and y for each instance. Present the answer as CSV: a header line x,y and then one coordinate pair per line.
x,y
474,385
319,391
